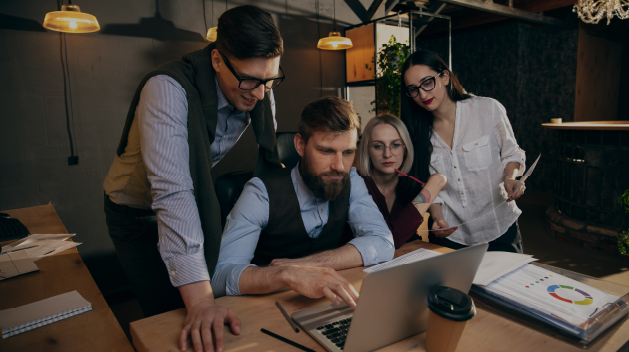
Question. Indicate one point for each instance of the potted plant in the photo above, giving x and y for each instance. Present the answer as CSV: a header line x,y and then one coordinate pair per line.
x,y
623,237
389,61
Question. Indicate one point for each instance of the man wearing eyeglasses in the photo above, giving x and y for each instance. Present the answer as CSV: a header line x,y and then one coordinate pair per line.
x,y
161,210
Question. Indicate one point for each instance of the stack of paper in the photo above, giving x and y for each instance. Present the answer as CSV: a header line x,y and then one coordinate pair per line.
x,y
40,246
16,263
497,264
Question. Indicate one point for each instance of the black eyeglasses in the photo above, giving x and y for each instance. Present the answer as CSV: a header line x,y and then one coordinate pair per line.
x,y
252,83
427,85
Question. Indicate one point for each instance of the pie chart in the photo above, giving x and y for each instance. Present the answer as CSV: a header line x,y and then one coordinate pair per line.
x,y
587,299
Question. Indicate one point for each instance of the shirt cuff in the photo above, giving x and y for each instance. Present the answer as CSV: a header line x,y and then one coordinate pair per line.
x,y
187,269
373,253
226,280
519,158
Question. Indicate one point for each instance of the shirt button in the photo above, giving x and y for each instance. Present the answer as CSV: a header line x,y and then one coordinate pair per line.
x,y
462,193
476,143
322,210
172,273
455,166
459,179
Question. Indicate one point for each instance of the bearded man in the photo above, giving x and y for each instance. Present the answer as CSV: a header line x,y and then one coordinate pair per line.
x,y
285,230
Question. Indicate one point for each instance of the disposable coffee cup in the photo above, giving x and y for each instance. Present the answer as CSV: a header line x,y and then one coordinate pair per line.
x,y
449,311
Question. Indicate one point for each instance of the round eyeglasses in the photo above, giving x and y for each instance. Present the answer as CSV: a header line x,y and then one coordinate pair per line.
x,y
427,85
395,148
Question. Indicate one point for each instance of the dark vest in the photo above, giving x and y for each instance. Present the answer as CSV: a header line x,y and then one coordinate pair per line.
x,y
285,235
195,73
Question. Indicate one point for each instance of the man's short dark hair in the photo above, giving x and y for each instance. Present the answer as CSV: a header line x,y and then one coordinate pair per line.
x,y
246,32
328,114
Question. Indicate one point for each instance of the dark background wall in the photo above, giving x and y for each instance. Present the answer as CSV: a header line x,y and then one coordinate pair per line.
x,y
105,68
529,69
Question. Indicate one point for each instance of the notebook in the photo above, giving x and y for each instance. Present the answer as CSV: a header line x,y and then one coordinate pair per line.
x,y
14,321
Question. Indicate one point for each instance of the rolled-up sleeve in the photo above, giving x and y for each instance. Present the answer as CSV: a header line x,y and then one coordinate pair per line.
x,y
372,237
510,151
244,223
162,120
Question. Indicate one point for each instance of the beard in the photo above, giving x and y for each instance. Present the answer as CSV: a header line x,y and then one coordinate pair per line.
x,y
321,186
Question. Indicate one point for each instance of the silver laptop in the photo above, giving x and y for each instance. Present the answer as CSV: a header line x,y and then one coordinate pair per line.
x,y
392,303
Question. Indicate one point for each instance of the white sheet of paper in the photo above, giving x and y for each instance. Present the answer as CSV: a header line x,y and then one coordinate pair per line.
x,y
407,258
497,264
16,263
31,238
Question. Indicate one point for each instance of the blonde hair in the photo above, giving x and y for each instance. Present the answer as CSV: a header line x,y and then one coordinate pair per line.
x,y
363,163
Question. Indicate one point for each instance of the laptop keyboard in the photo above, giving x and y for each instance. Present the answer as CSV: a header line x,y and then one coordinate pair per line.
x,y
336,331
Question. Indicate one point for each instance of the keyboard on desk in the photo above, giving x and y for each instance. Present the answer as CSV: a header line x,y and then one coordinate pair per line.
x,y
336,331
12,229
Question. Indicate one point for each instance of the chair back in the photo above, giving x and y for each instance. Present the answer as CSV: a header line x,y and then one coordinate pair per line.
x,y
228,187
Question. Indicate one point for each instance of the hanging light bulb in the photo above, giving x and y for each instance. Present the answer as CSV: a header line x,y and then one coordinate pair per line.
x,y
211,34
71,20
334,42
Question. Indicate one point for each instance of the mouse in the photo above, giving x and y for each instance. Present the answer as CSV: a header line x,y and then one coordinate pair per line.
x,y
5,216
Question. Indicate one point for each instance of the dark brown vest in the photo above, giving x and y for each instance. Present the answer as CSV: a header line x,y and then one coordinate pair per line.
x,y
285,235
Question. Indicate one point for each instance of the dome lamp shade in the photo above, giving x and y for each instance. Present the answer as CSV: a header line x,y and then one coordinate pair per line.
x,y
334,42
211,34
71,20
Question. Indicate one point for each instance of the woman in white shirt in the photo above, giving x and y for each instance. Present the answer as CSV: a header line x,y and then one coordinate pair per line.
x,y
470,140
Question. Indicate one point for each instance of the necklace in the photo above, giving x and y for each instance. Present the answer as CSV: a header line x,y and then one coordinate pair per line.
x,y
384,189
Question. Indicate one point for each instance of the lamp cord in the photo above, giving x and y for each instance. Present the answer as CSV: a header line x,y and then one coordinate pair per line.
x,y
63,54
204,18
320,63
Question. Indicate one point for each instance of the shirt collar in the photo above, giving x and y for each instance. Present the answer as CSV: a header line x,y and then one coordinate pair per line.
x,y
223,103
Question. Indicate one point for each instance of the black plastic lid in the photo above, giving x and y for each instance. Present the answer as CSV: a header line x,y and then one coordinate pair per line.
x,y
451,303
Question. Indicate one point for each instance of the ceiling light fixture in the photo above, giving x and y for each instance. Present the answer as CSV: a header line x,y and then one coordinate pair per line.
x,y
591,11
71,20
334,41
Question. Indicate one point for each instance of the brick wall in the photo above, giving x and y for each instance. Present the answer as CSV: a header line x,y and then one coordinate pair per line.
x,y
571,231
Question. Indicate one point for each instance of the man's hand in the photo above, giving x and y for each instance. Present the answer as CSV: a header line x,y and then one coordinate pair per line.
x,y
509,184
318,282
202,319
442,224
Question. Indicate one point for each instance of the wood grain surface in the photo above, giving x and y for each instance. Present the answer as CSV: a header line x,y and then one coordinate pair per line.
x,y
360,54
485,332
95,330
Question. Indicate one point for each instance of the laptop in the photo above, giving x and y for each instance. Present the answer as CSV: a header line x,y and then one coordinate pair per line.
x,y
392,303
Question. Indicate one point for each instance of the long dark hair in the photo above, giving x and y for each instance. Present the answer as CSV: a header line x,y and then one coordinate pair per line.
x,y
419,121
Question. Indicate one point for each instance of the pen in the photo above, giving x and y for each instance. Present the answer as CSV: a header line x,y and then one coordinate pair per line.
x,y
287,340
413,178
292,323
19,249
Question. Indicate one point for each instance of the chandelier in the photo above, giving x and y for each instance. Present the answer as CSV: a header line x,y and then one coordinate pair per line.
x,y
591,11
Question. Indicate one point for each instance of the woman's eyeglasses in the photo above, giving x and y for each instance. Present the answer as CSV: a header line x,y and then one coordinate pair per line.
x,y
252,83
427,85
394,148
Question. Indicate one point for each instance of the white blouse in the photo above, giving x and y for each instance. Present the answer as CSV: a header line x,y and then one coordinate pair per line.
x,y
482,146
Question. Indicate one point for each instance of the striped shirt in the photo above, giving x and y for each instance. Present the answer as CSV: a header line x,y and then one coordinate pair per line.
x,y
154,171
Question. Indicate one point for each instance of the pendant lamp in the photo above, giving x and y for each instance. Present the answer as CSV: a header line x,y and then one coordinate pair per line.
x,y
211,34
71,20
334,41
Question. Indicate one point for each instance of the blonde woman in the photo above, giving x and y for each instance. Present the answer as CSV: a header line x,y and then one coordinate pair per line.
x,y
386,146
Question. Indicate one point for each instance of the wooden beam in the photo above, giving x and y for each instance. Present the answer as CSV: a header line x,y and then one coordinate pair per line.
x,y
357,8
436,7
371,12
507,11
389,6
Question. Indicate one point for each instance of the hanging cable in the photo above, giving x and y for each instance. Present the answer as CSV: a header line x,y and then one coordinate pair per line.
x,y
320,62
204,18
63,55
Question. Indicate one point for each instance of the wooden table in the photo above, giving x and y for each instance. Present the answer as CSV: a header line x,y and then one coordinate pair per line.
x,y
486,332
95,330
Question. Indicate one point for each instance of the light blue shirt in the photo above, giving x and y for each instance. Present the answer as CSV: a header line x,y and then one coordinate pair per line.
x,y
372,237
163,120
